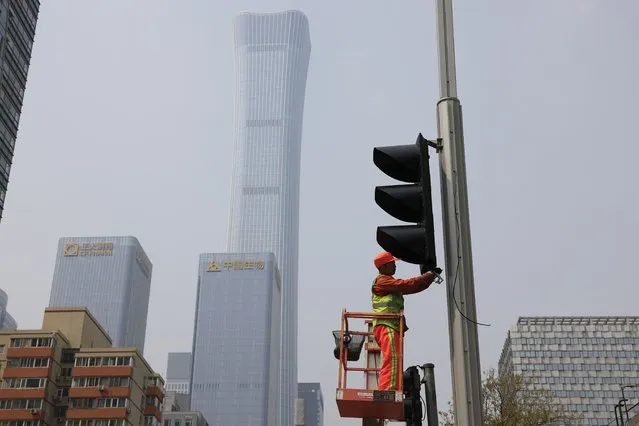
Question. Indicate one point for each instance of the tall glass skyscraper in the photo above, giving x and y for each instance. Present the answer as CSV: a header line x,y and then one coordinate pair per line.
x,y
111,276
272,53
583,361
17,28
236,341
7,322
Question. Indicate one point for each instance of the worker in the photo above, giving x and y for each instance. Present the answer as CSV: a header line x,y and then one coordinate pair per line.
x,y
388,297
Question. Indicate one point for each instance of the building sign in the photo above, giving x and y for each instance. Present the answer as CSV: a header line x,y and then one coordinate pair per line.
x,y
88,249
215,266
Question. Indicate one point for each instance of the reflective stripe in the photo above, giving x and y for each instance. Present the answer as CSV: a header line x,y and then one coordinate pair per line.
x,y
393,378
387,304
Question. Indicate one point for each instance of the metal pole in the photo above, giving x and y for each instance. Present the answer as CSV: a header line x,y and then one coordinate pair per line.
x,y
616,416
431,394
623,397
464,343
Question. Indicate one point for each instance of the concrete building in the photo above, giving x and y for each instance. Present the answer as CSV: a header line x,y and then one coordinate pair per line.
x,y
18,21
178,372
272,53
184,418
236,341
111,276
68,373
311,394
7,322
583,361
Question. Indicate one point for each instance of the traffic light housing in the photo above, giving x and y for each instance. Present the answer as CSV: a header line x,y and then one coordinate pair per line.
x,y
410,202
412,397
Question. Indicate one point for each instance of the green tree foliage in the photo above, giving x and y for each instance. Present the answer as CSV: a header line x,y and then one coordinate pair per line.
x,y
509,401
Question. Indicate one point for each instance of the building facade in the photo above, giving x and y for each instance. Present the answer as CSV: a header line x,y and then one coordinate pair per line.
x,y
178,372
112,277
583,361
272,53
7,322
17,29
67,373
184,418
311,394
236,340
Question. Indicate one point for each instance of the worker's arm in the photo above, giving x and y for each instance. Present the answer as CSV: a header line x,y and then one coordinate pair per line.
x,y
386,284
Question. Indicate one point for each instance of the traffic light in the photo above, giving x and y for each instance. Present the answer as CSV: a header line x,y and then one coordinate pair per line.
x,y
411,202
412,397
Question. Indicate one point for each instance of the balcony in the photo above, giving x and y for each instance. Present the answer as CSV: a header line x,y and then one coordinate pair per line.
x,y
123,371
23,393
97,413
30,352
26,372
26,414
152,410
100,392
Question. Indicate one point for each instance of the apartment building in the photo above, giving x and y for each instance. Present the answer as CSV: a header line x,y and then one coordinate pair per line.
x,y
67,373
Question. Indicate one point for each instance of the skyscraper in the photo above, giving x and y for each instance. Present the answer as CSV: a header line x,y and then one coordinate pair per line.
x,y
111,276
311,393
178,372
583,361
272,53
17,28
6,320
236,341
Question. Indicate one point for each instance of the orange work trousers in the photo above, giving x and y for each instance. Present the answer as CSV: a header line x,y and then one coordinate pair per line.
x,y
388,340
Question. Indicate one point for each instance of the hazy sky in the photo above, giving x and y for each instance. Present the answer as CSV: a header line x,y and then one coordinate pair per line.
x,y
127,127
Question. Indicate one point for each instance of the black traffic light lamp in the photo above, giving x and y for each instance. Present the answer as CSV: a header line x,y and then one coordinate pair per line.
x,y
411,202
412,397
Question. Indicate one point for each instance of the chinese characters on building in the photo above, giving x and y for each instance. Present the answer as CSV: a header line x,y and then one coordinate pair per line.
x,y
88,249
216,266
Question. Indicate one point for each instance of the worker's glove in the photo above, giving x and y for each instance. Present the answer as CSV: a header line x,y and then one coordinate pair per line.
x,y
437,271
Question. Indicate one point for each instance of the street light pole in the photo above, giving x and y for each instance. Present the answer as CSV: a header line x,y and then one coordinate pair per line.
x,y
462,316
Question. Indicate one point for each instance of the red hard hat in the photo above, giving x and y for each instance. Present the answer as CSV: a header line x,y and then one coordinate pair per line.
x,y
384,258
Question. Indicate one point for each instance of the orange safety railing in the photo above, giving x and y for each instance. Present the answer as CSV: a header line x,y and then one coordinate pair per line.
x,y
344,330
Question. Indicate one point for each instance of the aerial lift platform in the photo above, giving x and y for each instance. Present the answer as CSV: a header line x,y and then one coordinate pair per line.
x,y
370,404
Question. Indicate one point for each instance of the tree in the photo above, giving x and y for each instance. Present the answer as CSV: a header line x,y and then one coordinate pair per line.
x,y
509,400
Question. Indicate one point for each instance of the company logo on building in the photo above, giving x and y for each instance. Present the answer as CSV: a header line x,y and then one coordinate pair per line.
x,y
88,249
215,266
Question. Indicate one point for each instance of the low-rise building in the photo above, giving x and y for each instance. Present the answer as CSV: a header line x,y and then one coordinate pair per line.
x,y
67,373
184,418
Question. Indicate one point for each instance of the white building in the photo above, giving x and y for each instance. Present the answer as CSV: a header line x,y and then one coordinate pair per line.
x,y
584,361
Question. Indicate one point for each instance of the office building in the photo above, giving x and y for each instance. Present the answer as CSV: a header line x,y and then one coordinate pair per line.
x,y
67,373
236,341
178,381
583,361
184,418
178,372
112,277
272,52
17,29
311,394
174,401
7,322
